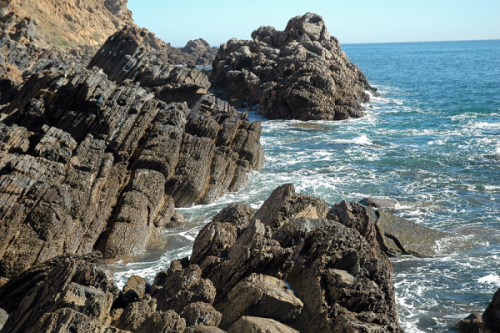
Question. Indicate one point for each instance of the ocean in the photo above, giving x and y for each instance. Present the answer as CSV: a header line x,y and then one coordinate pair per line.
x,y
431,141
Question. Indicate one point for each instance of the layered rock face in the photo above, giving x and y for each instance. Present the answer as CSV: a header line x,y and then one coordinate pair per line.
x,y
296,270
128,55
300,73
89,163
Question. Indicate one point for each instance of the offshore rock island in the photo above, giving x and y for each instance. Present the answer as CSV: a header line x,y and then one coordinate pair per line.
x,y
299,73
105,130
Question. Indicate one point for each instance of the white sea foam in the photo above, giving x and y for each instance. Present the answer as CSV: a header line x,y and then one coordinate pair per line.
x,y
491,279
362,140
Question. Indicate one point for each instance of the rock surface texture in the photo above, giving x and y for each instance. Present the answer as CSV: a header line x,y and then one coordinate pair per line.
x,y
291,267
88,162
297,271
299,73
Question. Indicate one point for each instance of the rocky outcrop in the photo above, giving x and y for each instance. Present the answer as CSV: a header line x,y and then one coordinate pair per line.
x,y
196,52
300,73
297,273
89,163
297,269
77,294
67,23
128,55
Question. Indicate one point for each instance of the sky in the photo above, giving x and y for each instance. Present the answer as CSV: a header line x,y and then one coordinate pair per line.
x,y
351,21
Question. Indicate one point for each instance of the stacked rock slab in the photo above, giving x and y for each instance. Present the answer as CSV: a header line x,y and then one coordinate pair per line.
x,y
300,73
128,55
89,163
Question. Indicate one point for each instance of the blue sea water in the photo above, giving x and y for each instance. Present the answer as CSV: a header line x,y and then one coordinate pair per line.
x,y
431,141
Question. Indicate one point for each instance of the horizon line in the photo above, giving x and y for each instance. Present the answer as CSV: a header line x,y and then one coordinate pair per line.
x,y
428,41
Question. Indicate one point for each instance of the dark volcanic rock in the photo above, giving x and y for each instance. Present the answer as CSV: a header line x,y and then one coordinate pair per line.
x,y
87,163
491,316
300,73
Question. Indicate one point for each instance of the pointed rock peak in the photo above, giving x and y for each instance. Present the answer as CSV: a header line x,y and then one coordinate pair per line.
x,y
310,24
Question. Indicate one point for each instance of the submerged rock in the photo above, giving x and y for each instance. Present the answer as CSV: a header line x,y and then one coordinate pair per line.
x,y
299,73
394,234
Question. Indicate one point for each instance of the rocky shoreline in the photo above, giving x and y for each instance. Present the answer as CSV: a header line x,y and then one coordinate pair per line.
x,y
98,146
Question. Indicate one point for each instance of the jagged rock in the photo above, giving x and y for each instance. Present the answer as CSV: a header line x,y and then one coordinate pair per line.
x,y
201,313
196,51
295,230
343,279
238,214
491,315
127,55
284,204
64,292
178,287
259,325
300,73
215,239
143,317
260,296
342,284
394,234
253,252
471,324
86,163
134,289
109,163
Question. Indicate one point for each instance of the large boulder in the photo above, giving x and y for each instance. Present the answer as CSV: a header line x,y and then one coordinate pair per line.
x,y
300,73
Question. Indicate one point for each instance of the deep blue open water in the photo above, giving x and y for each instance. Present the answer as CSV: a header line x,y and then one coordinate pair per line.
x,y
431,142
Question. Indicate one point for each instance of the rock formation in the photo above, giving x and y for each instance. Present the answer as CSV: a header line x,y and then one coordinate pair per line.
x,y
71,33
88,162
397,236
297,270
489,322
300,73
288,267
69,23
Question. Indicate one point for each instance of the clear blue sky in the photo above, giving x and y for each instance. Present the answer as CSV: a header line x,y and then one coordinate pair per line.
x,y
351,21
